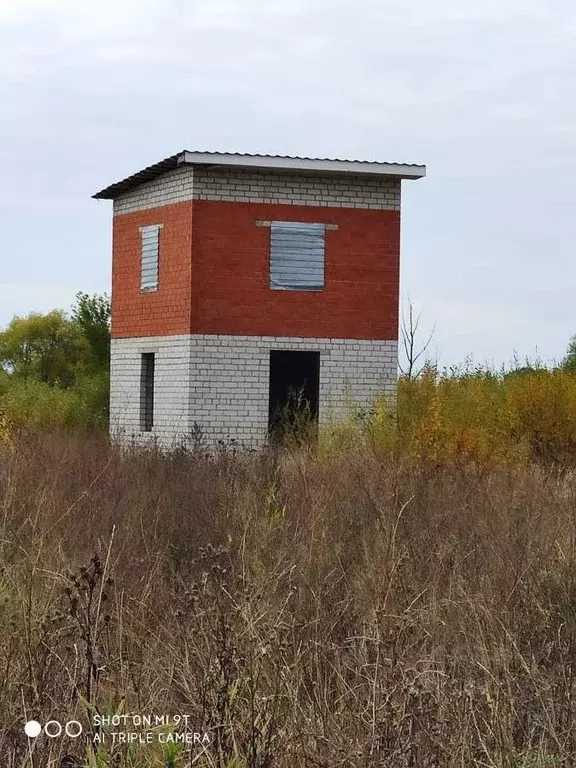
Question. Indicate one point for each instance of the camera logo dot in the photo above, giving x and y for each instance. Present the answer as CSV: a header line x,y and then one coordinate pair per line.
x,y
32,729
53,729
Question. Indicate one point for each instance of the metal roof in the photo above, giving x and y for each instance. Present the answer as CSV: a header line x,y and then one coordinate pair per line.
x,y
267,162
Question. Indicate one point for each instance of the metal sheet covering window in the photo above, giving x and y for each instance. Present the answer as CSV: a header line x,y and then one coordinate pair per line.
x,y
150,257
296,256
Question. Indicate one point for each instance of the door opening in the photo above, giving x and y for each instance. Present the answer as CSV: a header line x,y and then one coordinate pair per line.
x,y
294,391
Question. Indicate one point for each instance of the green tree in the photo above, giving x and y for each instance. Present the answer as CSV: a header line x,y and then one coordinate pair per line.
x,y
49,348
92,316
569,363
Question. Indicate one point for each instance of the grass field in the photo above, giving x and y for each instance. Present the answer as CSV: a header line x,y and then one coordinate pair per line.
x,y
403,594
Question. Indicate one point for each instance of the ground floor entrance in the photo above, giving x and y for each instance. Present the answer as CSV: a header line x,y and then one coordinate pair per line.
x,y
294,390
214,390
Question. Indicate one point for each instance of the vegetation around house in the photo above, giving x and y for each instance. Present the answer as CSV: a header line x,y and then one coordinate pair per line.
x,y
54,368
344,609
402,592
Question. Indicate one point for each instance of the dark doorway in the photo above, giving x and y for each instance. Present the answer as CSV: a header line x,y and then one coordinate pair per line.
x,y
294,390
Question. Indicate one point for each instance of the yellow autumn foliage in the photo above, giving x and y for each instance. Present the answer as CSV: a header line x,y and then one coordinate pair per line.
x,y
483,418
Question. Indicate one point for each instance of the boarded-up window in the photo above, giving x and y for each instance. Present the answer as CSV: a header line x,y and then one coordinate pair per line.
x,y
150,257
296,256
147,392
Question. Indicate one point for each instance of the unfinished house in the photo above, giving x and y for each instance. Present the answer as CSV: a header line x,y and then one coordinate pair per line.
x,y
242,282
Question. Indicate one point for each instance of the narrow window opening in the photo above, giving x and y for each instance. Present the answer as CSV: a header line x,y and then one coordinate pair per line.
x,y
150,256
147,392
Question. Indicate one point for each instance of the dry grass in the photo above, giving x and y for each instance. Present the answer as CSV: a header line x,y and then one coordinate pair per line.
x,y
304,611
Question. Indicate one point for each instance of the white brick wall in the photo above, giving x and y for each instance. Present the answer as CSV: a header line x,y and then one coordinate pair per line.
x,y
171,388
221,383
240,185
172,187
334,190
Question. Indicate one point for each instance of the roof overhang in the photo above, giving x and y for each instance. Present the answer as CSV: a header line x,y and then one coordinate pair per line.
x,y
263,162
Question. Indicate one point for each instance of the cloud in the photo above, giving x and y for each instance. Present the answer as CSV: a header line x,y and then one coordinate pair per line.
x,y
481,92
23,299
116,16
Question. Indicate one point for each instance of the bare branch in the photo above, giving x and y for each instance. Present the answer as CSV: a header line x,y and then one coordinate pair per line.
x,y
413,351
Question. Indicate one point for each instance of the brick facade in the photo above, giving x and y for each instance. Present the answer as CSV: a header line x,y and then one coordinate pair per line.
x,y
214,273
172,187
214,320
220,383
253,186
166,311
171,388
231,256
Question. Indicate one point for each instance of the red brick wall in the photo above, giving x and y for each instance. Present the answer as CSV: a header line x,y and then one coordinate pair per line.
x,y
167,310
214,276
231,294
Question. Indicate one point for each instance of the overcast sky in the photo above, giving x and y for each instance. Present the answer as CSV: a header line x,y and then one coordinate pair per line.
x,y
482,93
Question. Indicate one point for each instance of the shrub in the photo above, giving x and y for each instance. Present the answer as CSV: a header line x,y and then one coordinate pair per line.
x,y
32,404
461,417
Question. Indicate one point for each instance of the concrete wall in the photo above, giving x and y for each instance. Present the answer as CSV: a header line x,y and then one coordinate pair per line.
x,y
220,383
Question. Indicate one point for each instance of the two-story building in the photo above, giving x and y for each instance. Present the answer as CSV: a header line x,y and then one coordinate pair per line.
x,y
237,279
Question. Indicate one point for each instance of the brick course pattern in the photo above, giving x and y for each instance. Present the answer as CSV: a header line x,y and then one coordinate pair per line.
x,y
337,191
254,186
171,388
166,310
214,274
231,274
220,383
172,187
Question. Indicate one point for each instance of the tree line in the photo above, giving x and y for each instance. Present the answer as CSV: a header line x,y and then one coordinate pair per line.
x,y
54,367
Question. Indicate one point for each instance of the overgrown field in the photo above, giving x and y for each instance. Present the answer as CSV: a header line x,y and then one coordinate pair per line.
x,y
403,594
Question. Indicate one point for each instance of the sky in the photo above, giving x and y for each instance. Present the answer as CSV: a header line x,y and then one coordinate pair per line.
x,y
482,93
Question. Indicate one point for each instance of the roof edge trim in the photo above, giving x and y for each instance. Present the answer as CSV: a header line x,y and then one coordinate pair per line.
x,y
261,162
279,162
